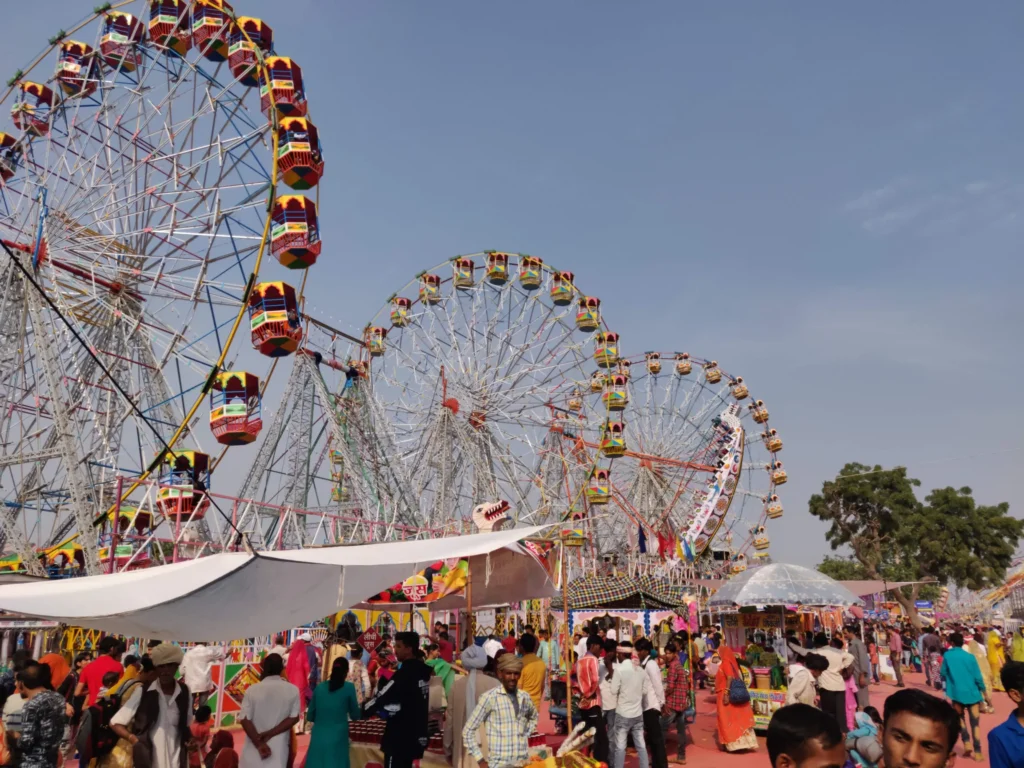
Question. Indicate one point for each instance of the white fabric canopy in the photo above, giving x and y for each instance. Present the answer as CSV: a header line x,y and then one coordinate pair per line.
x,y
236,595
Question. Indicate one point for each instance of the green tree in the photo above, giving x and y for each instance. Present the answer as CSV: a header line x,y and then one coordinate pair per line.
x,y
842,568
895,537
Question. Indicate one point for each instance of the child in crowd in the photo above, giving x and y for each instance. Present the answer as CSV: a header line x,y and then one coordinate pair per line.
x,y
109,681
222,751
200,737
863,741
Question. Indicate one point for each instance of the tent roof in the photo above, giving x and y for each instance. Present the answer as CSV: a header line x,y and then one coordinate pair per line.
x,y
645,591
779,584
232,595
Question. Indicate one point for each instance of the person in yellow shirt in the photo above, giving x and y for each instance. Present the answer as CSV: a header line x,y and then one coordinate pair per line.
x,y
534,669
1017,645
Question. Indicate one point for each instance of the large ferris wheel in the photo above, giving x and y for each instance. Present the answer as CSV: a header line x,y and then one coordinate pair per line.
x,y
138,197
466,364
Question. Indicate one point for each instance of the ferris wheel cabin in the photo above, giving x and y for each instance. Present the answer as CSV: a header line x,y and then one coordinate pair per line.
x,y
284,92
9,156
248,36
211,28
606,349
170,25
463,269
119,46
613,439
599,488
531,272
31,110
400,311
299,157
295,232
711,373
430,289
184,479
274,319
78,69
683,365
739,389
615,396
235,406
497,268
562,289
588,316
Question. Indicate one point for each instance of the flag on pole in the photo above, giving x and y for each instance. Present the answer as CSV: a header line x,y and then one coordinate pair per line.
x,y
641,538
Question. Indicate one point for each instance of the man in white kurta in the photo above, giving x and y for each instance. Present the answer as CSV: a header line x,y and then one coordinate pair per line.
x,y
266,705
165,733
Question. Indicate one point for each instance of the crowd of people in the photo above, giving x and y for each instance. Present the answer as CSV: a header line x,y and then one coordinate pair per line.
x,y
149,709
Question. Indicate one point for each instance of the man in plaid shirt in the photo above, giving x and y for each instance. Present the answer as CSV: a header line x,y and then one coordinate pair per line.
x,y
677,699
509,717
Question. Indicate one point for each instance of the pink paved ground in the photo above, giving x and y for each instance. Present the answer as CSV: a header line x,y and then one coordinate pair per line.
x,y
703,752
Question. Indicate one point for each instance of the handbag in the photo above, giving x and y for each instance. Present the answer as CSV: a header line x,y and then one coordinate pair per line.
x,y
737,692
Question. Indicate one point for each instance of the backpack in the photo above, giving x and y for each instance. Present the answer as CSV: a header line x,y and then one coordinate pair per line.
x,y
95,736
737,692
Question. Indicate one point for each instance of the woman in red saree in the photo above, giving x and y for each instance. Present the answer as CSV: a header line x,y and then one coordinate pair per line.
x,y
735,721
297,670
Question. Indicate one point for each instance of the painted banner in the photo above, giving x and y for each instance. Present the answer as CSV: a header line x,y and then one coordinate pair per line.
x,y
443,578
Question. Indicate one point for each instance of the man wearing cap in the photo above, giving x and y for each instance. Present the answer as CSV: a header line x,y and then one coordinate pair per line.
x,y
508,717
466,691
157,716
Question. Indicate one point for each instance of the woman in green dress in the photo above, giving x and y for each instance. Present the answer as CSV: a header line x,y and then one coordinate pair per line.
x,y
332,706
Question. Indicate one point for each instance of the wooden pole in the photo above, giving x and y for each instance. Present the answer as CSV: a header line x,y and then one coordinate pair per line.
x,y
470,639
567,651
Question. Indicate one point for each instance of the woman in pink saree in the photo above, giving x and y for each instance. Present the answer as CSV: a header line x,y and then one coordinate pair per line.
x,y
297,670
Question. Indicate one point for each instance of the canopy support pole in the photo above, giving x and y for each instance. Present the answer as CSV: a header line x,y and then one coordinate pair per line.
x,y
568,658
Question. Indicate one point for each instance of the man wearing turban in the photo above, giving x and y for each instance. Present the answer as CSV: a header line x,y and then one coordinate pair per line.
x,y
509,717
466,691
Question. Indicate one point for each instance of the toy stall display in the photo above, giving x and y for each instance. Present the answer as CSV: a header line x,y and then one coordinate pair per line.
x,y
759,638
627,623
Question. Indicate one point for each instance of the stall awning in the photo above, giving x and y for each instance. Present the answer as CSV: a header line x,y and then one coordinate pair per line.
x,y
636,592
237,595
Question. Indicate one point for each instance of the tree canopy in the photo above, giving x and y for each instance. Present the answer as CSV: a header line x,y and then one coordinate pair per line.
x,y
895,536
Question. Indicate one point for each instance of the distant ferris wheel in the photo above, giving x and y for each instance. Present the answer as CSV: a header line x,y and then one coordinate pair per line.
x,y
698,461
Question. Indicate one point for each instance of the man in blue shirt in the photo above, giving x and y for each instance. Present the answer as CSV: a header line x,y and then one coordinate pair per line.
x,y
966,689
1006,741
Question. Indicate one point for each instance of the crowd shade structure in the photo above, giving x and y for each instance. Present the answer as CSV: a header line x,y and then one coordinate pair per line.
x,y
153,160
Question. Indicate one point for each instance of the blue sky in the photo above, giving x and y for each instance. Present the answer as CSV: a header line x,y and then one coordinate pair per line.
x,y
825,198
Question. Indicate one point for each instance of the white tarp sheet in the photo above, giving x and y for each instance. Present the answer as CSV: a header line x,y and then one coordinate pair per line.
x,y
236,595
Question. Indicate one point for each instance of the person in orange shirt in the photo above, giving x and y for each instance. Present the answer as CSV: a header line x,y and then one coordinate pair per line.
x,y
534,670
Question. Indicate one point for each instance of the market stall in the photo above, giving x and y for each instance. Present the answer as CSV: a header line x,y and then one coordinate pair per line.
x,y
766,601
631,605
